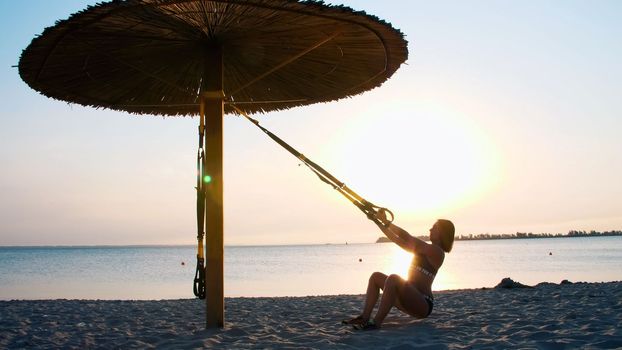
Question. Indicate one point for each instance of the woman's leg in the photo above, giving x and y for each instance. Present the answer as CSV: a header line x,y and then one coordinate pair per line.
x,y
397,292
390,292
412,301
376,282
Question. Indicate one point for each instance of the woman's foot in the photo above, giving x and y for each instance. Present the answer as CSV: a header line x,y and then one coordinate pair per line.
x,y
366,326
354,321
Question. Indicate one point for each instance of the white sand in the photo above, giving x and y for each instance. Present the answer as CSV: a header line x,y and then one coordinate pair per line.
x,y
551,316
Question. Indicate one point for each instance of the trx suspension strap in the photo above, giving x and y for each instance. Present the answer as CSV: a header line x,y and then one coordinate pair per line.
x,y
368,208
199,275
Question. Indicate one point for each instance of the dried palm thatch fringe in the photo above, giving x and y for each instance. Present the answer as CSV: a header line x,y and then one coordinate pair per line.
x,y
147,56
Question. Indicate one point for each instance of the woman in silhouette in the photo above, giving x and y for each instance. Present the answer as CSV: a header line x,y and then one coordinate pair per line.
x,y
413,295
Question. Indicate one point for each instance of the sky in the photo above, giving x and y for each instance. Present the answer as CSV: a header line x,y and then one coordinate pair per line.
x,y
505,118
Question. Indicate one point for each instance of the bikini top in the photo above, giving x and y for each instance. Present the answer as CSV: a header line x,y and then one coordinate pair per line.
x,y
422,265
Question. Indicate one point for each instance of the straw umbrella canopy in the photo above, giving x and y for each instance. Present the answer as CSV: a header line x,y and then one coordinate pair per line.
x,y
205,57
147,56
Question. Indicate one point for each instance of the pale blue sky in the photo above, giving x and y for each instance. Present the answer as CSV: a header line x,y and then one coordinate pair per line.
x,y
527,92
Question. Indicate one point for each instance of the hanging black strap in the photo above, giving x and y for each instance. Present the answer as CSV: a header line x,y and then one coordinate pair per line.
x,y
199,276
368,208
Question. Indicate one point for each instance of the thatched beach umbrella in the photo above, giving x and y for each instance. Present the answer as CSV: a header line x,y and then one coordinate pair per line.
x,y
200,57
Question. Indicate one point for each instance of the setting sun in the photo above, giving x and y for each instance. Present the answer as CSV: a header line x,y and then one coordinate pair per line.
x,y
417,162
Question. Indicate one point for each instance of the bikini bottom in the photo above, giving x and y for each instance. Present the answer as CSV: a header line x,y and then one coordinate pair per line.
x,y
430,302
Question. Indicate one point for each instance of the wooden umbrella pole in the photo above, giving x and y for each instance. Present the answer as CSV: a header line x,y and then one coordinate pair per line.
x,y
212,98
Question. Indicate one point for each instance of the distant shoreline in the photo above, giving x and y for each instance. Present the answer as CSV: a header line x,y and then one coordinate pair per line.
x,y
521,235
382,239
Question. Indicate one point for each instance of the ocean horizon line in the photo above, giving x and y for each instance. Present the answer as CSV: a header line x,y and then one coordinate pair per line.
x,y
381,239
94,246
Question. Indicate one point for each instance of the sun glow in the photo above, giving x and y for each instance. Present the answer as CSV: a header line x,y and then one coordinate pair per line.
x,y
399,260
416,159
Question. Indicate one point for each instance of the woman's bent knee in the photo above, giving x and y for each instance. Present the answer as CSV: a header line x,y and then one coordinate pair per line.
x,y
393,280
377,278
376,275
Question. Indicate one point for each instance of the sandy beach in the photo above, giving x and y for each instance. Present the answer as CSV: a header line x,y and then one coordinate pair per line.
x,y
549,316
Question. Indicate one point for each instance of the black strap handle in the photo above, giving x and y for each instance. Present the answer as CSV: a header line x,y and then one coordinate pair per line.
x,y
199,279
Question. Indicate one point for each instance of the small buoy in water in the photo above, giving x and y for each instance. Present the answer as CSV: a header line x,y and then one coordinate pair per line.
x,y
183,263
360,260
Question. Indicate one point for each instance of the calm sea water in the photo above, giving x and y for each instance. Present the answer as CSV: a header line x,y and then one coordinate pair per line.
x,y
158,273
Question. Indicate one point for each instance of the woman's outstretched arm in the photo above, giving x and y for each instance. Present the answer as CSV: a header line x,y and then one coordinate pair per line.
x,y
398,235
